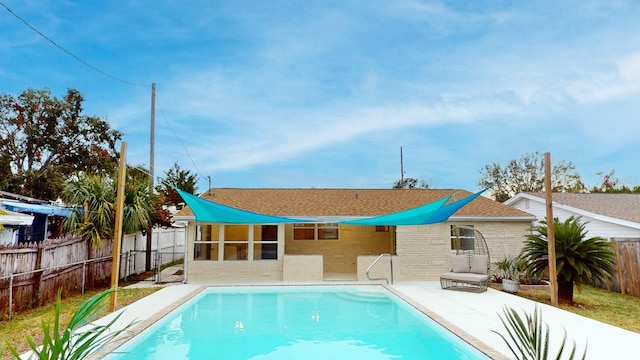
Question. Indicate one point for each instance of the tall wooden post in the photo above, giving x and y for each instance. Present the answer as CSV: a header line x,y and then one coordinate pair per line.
x,y
551,240
117,235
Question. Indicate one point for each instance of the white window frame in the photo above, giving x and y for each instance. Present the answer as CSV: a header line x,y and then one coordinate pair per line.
x,y
465,237
221,242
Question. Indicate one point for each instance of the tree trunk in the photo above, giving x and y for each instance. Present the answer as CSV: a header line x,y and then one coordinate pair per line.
x,y
565,291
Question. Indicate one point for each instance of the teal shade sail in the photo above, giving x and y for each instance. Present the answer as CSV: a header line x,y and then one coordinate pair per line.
x,y
431,213
442,214
209,211
412,216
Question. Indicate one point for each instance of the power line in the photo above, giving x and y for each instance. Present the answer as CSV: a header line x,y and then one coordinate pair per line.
x,y
102,73
70,53
182,142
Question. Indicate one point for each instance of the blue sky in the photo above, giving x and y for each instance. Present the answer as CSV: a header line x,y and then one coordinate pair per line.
x,y
324,93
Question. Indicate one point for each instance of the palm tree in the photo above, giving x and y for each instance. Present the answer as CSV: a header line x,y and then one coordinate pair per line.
x,y
95,198
578,259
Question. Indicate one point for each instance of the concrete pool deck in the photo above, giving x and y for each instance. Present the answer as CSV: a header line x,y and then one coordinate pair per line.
x,y
469,314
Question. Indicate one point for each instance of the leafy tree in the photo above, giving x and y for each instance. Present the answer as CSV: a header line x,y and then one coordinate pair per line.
x,y
410,183
578,259
158,215
527,174
179,178
611,184
44,140
98,195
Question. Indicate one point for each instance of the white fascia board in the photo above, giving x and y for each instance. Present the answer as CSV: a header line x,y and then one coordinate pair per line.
x,y
577,211
494,218
184,218
519,196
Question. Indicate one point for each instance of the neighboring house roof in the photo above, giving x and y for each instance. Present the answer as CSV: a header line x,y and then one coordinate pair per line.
x,y
36,208
25,204
351,202
618,206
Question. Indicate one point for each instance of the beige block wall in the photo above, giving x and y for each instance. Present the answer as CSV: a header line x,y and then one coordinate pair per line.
x,y
303,268
340,256
423,251
232,271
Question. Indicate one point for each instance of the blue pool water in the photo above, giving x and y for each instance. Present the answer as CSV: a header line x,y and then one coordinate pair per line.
x,y
305,322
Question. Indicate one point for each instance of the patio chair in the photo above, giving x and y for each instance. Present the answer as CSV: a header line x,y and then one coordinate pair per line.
x,y
470,262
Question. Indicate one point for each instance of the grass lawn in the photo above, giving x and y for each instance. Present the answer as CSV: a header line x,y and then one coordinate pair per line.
x,y
28,323
602,305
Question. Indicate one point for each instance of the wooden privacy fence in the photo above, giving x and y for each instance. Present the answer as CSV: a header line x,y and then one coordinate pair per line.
x,y
628,255
31,274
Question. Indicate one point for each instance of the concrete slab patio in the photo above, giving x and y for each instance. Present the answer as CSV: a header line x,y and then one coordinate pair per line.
x,y
467,313
477,314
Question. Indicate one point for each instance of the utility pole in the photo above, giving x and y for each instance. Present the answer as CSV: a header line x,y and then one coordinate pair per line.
x,y
152,132
401,168
151,171
551,239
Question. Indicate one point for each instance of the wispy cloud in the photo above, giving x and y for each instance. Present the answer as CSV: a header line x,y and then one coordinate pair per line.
x,y
272,84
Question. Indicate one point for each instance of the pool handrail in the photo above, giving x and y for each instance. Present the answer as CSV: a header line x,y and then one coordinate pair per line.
x,y
390,266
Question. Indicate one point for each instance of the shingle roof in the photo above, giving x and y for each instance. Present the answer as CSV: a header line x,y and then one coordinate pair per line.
x,y
348,202
620,206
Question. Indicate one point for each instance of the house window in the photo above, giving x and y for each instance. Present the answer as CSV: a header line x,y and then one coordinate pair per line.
x,y
265,242
462,238
236,242
307,231
207,243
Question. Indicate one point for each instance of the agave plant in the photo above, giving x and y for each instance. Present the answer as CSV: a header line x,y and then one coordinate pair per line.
x,y
528,338
70,343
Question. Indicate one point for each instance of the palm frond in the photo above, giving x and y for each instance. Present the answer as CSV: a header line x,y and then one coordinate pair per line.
x,y
73,342
528,338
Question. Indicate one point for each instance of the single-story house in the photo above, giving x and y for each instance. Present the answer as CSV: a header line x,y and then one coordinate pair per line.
x,y
314,240
611,216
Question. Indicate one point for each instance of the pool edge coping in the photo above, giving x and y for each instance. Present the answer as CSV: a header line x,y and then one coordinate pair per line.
x,y
141,326
457,331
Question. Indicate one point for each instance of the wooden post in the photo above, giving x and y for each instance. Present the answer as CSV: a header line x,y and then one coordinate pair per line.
x,y
551,240
87,282
117,235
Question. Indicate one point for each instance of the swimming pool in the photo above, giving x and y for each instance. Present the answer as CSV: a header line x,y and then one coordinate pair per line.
x,y
296,322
